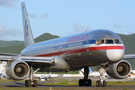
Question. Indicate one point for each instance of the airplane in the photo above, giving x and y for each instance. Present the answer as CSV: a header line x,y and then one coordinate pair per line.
x,y
3,69
101,48
133,71
43,77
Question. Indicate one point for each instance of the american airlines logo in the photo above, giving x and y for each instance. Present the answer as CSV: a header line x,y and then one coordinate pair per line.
x,y
78,37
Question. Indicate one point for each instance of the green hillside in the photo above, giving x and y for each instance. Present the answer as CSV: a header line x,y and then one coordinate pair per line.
x,y
45,36
19,47
10,43
129,43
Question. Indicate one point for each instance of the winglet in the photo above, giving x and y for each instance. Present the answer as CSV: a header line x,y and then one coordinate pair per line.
x,y
26,26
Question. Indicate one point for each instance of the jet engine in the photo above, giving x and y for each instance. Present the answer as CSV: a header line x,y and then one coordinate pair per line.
x,y
119,70
17,70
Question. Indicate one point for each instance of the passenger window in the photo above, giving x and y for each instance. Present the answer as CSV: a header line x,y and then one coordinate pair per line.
x,y
109,41
117,41
97,42
102,41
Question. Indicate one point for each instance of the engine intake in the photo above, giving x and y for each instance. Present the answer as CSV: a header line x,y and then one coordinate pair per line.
x,y
17,70
119,70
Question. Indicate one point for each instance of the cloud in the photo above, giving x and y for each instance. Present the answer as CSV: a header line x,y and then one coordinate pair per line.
x,y
8,3
6,33
118,26
44,16
80,28
32,15
3,19
121,26
129,33
126,26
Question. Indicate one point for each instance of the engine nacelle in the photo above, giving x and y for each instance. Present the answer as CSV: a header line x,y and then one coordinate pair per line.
x,y
17,70
119,70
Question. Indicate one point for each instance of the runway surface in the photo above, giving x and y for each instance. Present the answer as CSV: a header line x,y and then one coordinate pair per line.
x,y
40,85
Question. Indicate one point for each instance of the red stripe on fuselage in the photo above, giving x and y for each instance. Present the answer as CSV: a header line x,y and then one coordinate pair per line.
x,y
83,50
105,48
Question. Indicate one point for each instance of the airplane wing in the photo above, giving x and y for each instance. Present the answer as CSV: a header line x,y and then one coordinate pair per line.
x,y
30,60
44,60
129,56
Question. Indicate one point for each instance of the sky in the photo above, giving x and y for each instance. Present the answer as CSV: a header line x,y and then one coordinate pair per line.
x,y
66,17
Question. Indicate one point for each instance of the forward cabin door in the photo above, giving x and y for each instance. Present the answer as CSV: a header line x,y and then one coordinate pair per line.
x,y
88,42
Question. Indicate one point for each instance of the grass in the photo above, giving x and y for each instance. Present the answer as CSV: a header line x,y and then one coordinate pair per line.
x,y
121,83
6,80
75,82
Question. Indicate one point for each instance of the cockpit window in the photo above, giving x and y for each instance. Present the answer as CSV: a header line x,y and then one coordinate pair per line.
x,y
97,42
102,41
109,41
117,41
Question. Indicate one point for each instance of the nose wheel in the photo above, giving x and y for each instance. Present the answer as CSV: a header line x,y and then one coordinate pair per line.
x,y
85,81
100,83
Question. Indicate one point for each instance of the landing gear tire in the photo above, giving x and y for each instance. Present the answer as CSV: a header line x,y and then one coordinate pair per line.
x,y
81,82
84,82
34,83
88,82
104,83
98,83
28,83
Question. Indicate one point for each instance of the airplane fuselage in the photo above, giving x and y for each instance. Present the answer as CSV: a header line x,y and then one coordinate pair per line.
x,y
80,50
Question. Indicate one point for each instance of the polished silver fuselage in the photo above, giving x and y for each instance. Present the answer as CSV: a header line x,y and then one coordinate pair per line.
x,y
80,50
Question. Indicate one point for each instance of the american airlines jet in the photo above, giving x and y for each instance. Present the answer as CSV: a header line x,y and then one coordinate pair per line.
x,y
102,48
3,69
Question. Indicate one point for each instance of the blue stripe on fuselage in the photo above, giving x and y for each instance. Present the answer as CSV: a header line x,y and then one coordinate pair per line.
x,y
62,46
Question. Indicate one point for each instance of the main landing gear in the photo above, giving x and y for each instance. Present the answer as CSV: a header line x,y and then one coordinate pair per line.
x,y
85,81
88,82
31,81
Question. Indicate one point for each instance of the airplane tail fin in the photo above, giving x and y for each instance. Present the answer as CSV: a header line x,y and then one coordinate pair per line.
x,y
26,26
4,63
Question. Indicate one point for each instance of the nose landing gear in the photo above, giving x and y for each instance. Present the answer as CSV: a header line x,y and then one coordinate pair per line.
x,y
101,81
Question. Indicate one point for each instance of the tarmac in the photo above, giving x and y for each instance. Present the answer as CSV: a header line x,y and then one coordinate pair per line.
x,y
40,85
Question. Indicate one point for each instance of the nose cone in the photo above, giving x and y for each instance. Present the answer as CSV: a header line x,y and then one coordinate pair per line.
x,y
115,55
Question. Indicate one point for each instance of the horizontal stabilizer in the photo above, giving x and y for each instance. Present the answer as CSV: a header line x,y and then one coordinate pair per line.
x,y
6,58
129,56
9,54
